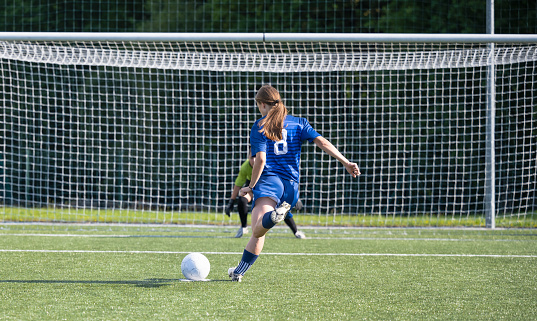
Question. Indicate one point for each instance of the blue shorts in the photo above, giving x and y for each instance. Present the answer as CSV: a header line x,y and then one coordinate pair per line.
x,y
278,189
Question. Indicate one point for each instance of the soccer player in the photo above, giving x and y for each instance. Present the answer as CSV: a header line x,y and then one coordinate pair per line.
x,y
243,179
276,139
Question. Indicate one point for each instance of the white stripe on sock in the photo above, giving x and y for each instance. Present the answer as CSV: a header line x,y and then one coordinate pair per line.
x,y
242,268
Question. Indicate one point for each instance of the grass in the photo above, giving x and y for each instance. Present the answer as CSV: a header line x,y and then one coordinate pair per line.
x,y
119,272
15,214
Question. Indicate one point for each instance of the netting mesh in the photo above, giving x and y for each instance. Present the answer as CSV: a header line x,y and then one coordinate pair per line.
x,y
267,57
146,132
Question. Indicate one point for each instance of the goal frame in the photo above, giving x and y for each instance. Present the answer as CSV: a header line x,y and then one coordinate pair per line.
x,y
269,37
489,38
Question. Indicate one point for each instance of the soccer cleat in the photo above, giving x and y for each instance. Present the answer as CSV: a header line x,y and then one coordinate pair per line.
x,y
235,277
300,235
241,232
280,213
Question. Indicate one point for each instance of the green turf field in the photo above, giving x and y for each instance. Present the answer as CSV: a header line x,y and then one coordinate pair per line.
x,y
73,215
132,272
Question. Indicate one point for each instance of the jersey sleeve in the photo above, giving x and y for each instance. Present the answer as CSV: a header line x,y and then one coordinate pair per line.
x,y
245,174
308,133
241,178
257,140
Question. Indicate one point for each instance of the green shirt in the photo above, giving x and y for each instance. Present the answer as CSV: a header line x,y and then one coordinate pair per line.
x,y
244,174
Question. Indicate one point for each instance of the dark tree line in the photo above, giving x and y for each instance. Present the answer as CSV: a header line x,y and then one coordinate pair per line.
x,y
392,16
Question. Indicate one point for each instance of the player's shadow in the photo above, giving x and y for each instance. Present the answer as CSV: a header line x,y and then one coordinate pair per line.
x,y
147,283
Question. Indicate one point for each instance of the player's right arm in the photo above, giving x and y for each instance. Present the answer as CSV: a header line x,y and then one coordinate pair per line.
x,y
325,145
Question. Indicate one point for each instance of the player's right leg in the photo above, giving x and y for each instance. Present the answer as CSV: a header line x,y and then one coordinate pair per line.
x,y
277,215
271,186
289,197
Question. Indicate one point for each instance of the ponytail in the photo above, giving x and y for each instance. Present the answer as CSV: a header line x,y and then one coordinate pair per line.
x,y
272,124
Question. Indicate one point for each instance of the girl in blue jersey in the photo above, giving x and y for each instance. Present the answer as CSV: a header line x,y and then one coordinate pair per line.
x,y
276,140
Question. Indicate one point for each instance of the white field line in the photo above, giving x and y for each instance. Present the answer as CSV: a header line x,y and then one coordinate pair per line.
x,y
274,253
209,226
360,238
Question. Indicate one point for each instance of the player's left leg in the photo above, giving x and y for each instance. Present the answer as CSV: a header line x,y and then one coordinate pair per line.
x,y
256,242
262,206
267,192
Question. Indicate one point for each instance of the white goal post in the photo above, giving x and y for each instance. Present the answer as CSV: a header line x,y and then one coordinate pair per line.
x,y
152,128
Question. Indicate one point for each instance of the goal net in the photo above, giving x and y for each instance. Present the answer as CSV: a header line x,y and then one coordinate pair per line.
x,y
155,132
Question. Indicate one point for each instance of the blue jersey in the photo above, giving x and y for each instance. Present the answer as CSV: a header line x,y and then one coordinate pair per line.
x,y
283,157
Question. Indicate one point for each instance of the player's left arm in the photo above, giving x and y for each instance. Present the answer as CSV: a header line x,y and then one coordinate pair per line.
x,y
259,165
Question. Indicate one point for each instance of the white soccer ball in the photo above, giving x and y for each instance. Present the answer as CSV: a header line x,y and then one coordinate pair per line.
x,y
195,266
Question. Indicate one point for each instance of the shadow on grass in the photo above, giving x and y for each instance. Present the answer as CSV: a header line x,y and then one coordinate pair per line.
x,y
147,283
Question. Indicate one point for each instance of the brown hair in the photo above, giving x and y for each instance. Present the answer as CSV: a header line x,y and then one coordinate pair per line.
x,y
272,125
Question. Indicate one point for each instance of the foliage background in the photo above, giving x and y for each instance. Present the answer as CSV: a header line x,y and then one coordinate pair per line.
x,y
59,149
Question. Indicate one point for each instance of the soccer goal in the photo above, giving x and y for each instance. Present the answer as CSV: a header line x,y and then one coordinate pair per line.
x,y
152,128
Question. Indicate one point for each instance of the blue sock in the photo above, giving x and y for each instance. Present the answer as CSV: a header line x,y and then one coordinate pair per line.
x,y
246,262
267,221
